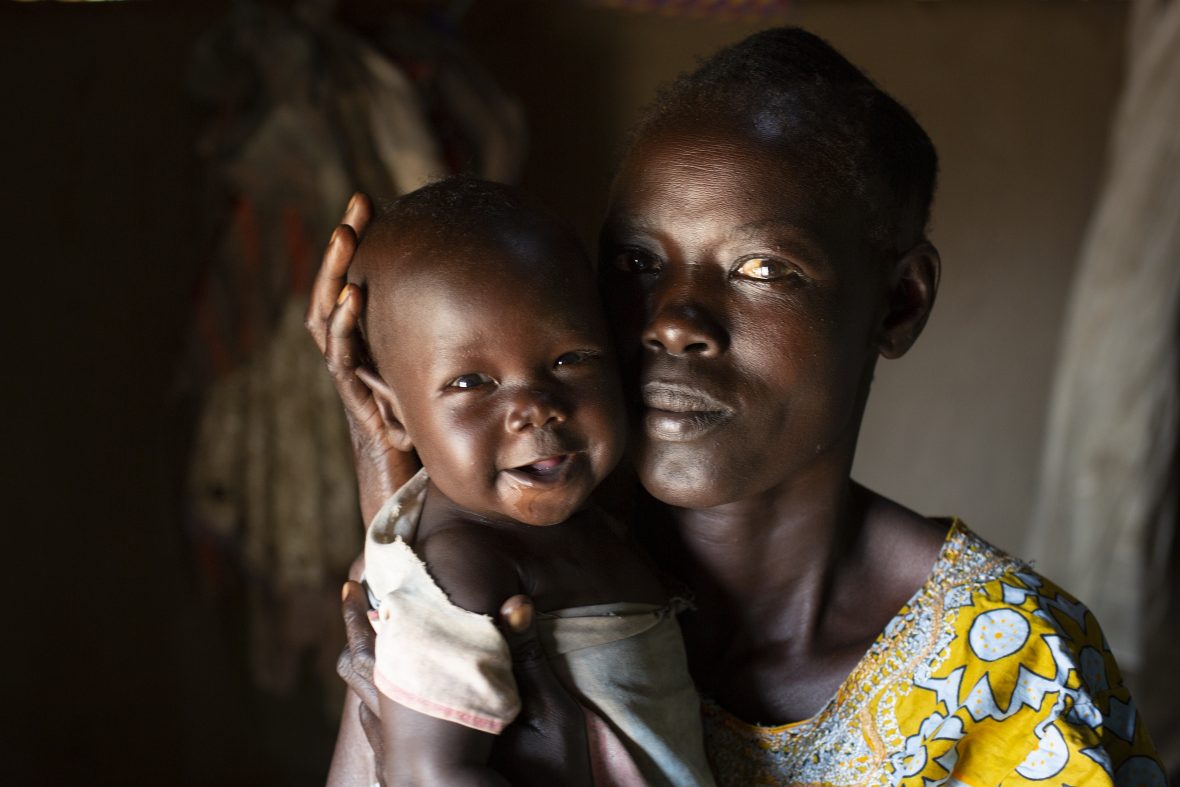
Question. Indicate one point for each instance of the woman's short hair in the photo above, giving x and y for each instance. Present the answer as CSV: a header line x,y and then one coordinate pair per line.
x,y
851,139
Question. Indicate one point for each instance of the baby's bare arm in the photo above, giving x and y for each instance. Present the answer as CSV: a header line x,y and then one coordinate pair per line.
x,y
424,750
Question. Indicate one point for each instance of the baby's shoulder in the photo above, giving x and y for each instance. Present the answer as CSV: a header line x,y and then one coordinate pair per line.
x,y
473,565
453,534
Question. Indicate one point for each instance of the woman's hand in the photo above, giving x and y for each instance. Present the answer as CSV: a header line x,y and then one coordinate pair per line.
x,y
546,744
333,317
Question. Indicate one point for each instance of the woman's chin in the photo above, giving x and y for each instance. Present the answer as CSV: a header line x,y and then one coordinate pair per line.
x,y
681,481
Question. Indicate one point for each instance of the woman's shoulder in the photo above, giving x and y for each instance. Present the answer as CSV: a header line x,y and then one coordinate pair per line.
x,y
979,583
999,613
1018,657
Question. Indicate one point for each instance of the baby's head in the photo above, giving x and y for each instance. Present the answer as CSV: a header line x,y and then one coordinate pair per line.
x,y
492,356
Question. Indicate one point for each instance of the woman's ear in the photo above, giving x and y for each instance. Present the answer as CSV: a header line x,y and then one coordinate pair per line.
x,y
387,408
910,290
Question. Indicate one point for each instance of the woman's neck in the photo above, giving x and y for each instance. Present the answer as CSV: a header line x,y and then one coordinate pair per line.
x,y
770,558
791,588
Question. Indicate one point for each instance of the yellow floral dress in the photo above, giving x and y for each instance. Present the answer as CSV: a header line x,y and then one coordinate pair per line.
x,y
989,675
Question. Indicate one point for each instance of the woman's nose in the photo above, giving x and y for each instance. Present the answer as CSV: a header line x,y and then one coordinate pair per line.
x,y
683,327
534,408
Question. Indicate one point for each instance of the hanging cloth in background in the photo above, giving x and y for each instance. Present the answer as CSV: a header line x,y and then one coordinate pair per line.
x,y
1106,516
302,111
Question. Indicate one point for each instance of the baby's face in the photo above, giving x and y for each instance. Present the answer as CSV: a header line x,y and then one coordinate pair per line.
x,y
503,373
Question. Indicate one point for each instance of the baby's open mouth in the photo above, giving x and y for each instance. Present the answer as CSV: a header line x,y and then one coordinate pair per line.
x,y
546,468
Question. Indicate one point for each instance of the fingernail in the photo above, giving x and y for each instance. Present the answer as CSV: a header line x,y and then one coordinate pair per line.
x,y
351,203
335,236
343,296
517,612
345,591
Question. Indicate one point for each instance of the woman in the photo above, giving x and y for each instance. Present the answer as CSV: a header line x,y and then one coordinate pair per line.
x,y
764,244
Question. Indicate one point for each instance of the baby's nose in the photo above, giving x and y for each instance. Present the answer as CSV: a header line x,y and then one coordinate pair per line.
x,y
535,408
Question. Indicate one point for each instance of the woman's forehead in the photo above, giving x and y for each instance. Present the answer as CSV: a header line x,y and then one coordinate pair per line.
x,y
722,176
724,153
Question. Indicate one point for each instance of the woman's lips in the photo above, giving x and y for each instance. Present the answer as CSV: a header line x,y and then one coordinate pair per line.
x,y
679,413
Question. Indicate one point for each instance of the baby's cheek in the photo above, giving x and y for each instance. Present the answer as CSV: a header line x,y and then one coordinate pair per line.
x,y
606,433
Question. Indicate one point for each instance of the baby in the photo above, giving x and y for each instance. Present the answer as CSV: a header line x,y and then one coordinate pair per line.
x,y
491,359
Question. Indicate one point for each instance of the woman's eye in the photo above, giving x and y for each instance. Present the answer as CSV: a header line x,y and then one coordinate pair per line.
x,y
467,381
574,357
762,269
635,261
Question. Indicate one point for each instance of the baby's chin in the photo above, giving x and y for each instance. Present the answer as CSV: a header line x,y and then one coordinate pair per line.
x,y
537,511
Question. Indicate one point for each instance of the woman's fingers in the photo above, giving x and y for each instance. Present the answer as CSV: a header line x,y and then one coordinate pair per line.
x,y
333,320
329,280
358,213
371,724
344,354
333,272
355,664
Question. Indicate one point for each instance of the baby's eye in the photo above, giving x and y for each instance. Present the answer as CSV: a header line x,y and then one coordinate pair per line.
x,y
636,261
467,381
574,357
762,269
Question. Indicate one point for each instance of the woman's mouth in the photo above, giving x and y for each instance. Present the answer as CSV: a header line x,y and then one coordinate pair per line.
x,y
678,413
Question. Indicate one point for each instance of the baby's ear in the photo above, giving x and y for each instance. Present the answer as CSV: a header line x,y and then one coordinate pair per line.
x,y
911,286
387,408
